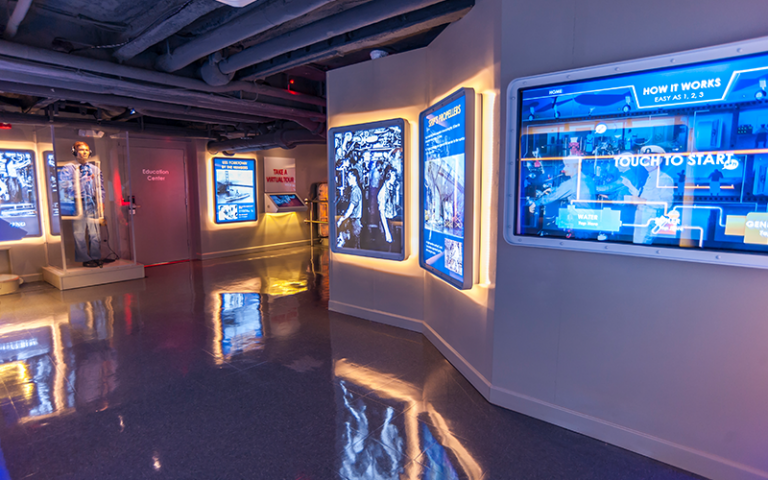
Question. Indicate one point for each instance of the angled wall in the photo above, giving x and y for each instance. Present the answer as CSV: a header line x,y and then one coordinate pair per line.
x,y
665,358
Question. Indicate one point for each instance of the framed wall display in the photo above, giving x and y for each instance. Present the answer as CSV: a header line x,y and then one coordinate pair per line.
x,y
366,194
664,157
234,182
446,173
19,213
53,192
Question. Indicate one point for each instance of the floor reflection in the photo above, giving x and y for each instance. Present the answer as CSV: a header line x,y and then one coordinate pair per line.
x,y
235,368
238,327
404,447
57,364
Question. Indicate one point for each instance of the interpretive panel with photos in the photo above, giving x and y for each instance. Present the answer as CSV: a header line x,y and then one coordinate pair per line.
x,y
446,170
235,190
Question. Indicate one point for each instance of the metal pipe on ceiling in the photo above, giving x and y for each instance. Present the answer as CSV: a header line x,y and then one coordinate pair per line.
x,y
160,30
183,117
120,90
23,119
280,139
117,101
389,30
270,15
22,7
49,57
338,24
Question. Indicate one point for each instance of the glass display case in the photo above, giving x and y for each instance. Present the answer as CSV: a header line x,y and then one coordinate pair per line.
x,y
90,238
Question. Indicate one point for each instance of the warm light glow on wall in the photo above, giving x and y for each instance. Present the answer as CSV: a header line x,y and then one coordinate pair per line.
x,y
488,175
486,168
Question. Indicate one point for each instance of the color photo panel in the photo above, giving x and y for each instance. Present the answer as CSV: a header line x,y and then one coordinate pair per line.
x,y
446,170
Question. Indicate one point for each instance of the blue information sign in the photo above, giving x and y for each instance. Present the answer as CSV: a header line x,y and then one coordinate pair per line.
x,y
446,191
234,190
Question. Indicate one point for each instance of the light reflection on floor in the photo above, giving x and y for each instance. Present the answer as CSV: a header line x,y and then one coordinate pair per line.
x,y
234,368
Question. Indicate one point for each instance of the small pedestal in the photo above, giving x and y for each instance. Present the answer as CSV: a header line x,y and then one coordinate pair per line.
x,y
79,277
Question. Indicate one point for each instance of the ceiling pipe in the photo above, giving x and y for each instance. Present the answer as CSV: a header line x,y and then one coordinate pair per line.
x,y
22,119
384,32
332,26
22,7
183,118
271,14
121,90
116,101
160,30
280,139
58,59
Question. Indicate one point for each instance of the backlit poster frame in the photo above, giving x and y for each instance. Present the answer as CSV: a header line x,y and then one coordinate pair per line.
x,y
441,123
35,190
673,104
54,210
227,164
366,156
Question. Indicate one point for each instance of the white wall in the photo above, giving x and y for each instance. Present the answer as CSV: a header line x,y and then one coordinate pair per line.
x,y
400,293
270,231
663,358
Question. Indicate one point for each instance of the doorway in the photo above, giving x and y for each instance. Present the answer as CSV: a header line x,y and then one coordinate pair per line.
x,y
159,189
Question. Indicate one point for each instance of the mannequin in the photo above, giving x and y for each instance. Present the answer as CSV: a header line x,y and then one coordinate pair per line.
x,y
90,192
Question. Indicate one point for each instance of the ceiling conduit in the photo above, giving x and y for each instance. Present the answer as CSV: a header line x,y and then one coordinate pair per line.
x,y
280,139
49,57
160,30
271,14
338,24
22,7
77,81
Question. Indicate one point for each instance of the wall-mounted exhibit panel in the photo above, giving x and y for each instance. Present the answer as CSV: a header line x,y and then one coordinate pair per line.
x,y
447,174
367,191
644,158
19,199
283,202
234,190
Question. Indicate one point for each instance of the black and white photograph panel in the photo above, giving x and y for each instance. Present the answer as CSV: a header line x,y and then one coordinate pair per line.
x,y
369,197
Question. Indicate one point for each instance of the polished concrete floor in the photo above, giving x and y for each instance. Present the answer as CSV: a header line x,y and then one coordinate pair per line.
x,y
235,369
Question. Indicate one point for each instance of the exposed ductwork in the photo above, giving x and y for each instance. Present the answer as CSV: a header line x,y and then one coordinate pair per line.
x,y
370,36
338,24
269,15
116,101
279,139
98,66
22,7
22,119
160,30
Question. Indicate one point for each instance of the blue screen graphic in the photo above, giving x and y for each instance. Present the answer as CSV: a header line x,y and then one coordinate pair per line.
x,y
443,189
67,192
672,157
235,194
19,216
53,192
241,326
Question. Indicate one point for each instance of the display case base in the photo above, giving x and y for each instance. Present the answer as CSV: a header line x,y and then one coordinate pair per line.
x,y
79,277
